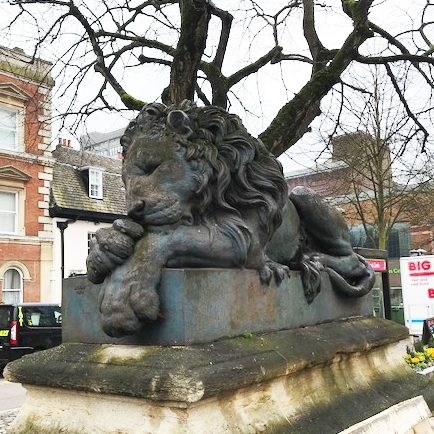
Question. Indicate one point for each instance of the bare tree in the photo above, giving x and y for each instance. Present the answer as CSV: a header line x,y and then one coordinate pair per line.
x,y
193,39
384,179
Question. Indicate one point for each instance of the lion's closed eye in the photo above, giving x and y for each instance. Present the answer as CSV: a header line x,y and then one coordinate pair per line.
x,y
146,169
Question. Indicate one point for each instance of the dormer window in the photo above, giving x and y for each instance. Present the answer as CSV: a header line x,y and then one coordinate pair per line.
x,y
95,183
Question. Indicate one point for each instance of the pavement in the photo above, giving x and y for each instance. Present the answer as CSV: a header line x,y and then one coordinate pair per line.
x,y
12,396
6,418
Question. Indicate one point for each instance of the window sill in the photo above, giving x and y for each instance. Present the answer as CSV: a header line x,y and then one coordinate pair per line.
x,y
21,239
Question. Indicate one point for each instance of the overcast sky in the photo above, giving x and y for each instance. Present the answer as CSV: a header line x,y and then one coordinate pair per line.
x,y
263,93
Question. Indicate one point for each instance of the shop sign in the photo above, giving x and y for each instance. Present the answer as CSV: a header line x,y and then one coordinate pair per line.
x,y
377,264
417,277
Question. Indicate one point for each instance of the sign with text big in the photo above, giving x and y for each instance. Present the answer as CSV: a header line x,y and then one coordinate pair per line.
x,y
417,277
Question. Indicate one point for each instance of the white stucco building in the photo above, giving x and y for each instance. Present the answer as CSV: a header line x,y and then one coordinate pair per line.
x,y
86,194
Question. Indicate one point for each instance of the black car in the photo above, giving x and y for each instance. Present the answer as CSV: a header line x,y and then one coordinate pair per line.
x,y
28,327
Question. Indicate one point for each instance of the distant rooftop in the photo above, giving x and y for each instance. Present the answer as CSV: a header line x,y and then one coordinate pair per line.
x,y
69,194
319,168
95,137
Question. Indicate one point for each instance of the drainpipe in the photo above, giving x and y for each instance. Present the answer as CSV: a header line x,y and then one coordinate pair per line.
x,y
62,226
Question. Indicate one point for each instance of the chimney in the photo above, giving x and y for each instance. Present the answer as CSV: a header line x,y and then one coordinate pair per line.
x,y
65,143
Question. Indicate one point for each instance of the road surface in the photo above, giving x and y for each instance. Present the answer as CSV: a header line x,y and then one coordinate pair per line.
x,y
12,395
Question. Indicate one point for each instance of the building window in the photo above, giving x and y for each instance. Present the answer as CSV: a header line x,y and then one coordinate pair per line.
x,y
12,286
8,212
90,235
398,244
8,128
95,184
115,151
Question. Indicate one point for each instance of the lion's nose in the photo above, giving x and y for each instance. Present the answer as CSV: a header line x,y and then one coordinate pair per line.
x,y
135,209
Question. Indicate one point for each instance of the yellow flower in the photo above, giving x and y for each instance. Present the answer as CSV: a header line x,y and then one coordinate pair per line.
x,y
421,358
414,360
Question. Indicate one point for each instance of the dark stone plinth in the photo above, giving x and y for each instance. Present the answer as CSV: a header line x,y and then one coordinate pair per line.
x,y
202,305
318,379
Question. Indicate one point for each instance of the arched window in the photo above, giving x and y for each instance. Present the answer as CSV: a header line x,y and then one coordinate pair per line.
x,y
12,286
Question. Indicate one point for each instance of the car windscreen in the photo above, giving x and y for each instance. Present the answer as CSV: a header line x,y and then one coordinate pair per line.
x,y
42,316
5,317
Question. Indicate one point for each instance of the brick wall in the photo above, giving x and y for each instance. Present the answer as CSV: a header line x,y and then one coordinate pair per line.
x,y
33,196
423,238
328,184
23,251
30,256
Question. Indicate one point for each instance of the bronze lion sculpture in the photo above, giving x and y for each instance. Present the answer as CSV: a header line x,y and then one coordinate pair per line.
x,y
201,192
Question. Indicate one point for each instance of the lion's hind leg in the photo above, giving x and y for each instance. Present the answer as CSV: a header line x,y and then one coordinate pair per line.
x,y
271,268
328,244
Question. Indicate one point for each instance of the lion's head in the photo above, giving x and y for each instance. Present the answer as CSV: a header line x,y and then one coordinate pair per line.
x,y
198,165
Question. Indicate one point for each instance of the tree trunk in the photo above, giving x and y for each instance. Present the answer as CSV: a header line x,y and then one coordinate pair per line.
x,y
195,16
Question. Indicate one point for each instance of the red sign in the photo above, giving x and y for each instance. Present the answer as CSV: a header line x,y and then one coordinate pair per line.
x,y
419,265
419,268
377,264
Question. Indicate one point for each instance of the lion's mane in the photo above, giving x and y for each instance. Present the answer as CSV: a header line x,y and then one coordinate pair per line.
x,y
237,175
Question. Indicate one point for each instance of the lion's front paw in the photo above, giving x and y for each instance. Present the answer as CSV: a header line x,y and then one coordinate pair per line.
x,y
128,298
270,269
121,315
111,247
120,324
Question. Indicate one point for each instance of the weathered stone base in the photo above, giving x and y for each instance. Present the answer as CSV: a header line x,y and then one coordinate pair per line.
x,y
52,411
408,417
319,379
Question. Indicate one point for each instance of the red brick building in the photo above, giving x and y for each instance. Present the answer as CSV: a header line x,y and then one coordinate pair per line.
x,y
347,175
330,180
26,168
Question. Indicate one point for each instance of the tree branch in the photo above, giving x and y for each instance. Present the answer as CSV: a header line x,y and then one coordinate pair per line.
x,y
100,66
382,60
253,67
143,42
406,106
293,119
144,59
226,19
316,48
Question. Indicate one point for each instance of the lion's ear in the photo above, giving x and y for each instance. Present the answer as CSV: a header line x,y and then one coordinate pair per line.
x,y
180,123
